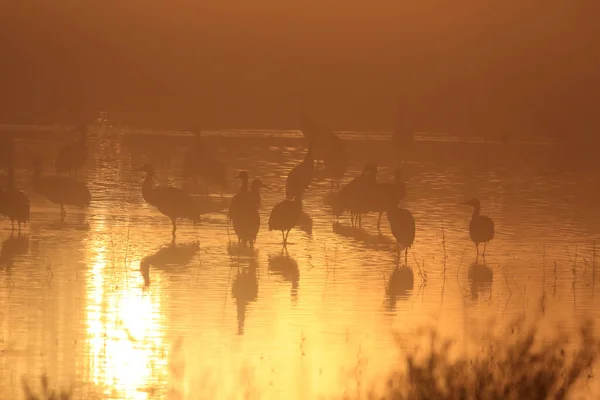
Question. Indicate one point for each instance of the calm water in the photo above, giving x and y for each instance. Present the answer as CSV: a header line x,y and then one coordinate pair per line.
x,y
216,321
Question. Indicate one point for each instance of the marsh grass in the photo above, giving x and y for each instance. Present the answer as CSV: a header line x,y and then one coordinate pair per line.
x,y
517,364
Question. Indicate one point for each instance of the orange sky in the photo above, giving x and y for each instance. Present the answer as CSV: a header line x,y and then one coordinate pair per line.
x,y
454,67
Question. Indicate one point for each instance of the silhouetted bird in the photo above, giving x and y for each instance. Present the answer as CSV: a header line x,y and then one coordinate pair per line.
x,y
402,225
300,176
356,196
285,216
246,223
73,156
336,163
481,228
200,161
170,201
7,153
388,194
60,190
241,199
13,203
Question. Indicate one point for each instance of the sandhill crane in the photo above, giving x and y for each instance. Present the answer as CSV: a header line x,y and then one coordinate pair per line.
x,y
387,194
481,228
402,225
356,196
284,216
170,201
14,203
300,176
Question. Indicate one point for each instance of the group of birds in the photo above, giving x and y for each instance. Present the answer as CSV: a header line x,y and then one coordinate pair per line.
x,y
362,195
62,190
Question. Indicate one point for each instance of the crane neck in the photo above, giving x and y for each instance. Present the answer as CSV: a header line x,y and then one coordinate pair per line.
x,y
244,186
476,211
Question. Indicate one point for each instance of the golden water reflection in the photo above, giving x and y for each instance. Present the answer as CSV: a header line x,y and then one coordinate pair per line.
x,y
125,329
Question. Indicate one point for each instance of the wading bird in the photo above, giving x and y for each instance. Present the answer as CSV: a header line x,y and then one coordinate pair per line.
x,y
402,225
387,194
246,219
300,176
60,190
73,156
170,201
285,216
356,196
241,199
13,203
481,228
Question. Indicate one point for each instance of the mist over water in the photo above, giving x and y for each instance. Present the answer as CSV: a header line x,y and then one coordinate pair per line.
x,y
107,302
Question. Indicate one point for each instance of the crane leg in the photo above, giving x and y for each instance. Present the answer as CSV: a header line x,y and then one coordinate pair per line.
x,y
406,257
174,226
360,220
63,213
477,246
283,237
379,222
484,247
13,225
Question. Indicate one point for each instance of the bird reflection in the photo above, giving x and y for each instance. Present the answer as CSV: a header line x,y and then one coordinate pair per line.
x,y
400,284
285,266
480,278
11,247
361,235
244,290
237,249
168,256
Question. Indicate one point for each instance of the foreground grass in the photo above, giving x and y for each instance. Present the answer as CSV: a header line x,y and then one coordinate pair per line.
x,y
517,365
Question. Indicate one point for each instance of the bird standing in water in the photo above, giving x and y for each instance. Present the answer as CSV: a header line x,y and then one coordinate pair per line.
x,y
60,190
285,216
241,199
356,196
170,201
387,194
73,156
481,228
402,225
300,176
13,203
246,218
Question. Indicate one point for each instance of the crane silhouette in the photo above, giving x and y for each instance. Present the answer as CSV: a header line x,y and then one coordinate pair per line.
x,y
481,228
387,194
284,216
402,224
14,204
60,190
300,176
170,201
356,196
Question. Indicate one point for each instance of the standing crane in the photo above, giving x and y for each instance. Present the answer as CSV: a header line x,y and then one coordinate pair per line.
x,y
170,201
481,228
300,176
13,203
284,216
402,225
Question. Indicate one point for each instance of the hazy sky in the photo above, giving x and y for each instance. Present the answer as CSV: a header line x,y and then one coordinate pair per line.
x,y
454,66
